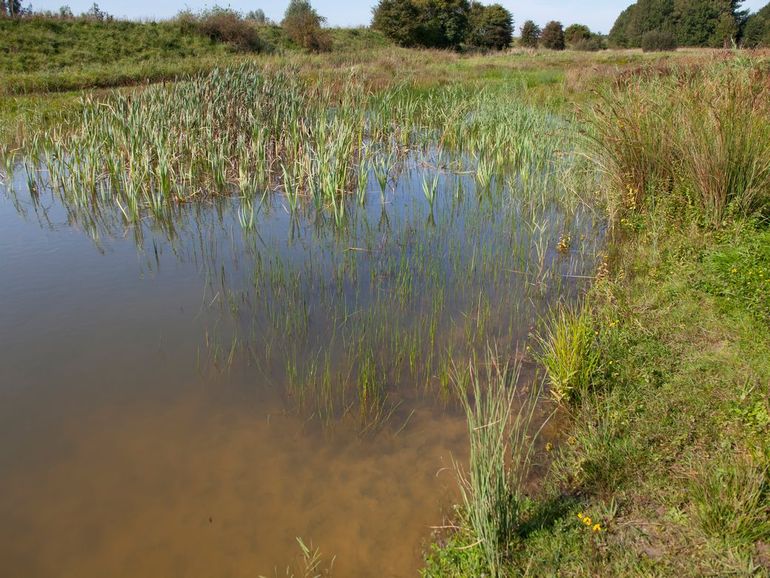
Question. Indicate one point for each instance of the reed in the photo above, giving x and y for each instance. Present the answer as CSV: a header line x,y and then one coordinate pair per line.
x,y
493,492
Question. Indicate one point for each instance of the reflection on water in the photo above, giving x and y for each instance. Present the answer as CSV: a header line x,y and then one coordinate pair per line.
x,y
188,396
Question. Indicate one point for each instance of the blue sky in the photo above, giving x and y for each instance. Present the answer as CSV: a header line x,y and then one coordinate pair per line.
x,y
597,14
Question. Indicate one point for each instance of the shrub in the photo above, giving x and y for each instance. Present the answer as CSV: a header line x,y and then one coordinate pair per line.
x,y
222,25
303,26
657,41
576,33
553,36
398,20
592,44
431,24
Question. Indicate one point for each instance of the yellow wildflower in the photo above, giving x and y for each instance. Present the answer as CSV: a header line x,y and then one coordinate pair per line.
x,y
597,528
587,521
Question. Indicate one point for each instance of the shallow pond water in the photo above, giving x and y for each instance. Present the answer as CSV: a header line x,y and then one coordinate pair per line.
x,y
187,397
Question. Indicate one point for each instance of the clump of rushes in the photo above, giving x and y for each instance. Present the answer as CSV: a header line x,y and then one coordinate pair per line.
x,y
703,136
493,492
569,353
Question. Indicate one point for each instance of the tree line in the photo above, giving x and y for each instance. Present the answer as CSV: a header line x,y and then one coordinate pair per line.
x,y
703,23
468,24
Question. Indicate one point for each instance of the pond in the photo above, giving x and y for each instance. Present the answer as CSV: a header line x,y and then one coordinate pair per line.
x,y
186,394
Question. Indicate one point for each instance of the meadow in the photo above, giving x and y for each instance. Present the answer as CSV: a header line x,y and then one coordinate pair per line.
x,y
567,251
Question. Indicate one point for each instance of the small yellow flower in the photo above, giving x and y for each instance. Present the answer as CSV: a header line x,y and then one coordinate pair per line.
x,y
581,516
549,447
587,521
597,528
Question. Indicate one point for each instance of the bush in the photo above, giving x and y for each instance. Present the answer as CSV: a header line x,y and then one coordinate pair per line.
x,y
553,36
398,20
433,24
224,25
592,44
656,41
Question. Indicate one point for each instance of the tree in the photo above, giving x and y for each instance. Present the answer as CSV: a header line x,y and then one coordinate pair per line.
x,y
654,41
692,22
530,35
428,23
756,31
257,16
10,8
553,36
398,20
95,13
442,23
303,26
490,27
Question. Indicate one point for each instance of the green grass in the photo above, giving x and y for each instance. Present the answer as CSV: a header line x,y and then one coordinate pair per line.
x,y
667,447
568,353
50,44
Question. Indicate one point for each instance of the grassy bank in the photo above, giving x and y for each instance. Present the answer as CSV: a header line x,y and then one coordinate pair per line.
x,y
663,470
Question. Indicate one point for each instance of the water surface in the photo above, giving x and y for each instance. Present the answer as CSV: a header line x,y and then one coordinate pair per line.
x,y
182,398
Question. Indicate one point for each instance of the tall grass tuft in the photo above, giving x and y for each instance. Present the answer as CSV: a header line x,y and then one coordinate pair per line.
x,y
568,353
724,142
703,135
501,449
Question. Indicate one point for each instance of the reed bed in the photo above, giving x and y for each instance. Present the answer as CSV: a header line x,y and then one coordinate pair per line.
x,y
421,223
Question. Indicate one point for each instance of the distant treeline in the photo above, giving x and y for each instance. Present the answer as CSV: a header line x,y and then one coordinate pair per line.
x,y
704,23
466,25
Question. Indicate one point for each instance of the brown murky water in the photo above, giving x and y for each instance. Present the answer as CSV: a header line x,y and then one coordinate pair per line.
x,y
130,447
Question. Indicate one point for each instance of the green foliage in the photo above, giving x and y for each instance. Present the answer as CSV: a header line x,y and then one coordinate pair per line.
x,y
731,501
656,41
303,25
530,35
576,32
580,37
553,36
712,23
227,26
569,353
490,27
756,31
458,557
493,492
398,20
444,23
